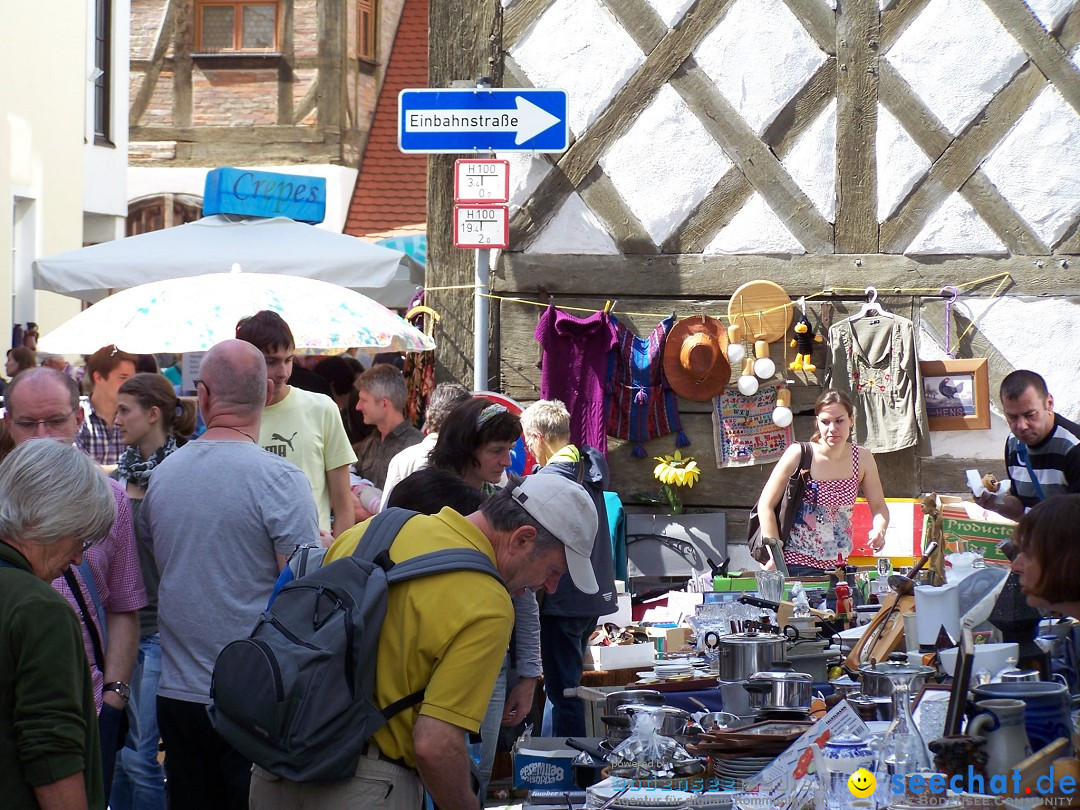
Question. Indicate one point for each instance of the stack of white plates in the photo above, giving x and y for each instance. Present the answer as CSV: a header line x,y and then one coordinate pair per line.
x,y
673,670
741,768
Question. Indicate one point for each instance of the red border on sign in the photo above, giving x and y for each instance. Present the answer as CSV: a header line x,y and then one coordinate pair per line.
x,y
476,161
506,225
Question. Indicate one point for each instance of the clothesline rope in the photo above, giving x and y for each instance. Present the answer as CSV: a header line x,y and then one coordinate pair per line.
x,y
1002,278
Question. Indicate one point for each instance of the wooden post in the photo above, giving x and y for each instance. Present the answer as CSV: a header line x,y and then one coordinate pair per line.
x,y
857,37
464,42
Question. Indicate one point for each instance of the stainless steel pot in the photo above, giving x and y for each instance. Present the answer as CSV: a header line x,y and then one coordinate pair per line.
x,y
743,654
877,680
735,698
617,724
780,687
643,697
672,721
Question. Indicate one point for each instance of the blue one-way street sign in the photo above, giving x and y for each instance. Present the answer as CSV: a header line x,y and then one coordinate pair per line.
x,y
470,120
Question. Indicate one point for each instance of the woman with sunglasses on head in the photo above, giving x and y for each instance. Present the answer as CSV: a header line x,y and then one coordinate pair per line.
x,y
151,418
821,533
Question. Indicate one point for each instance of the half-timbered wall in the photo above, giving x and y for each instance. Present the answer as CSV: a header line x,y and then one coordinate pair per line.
x,y
905,144
311,101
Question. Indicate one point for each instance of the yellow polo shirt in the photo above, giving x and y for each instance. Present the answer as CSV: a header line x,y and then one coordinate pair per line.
x,y
446,633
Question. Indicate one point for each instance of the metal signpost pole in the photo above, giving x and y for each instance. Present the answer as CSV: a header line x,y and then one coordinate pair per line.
x,y
489,119
480,320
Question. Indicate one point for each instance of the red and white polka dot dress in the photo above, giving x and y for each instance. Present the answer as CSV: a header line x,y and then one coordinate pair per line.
x,y
822,528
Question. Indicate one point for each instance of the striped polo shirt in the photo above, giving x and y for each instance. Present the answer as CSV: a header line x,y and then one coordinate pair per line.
x,y
1055,462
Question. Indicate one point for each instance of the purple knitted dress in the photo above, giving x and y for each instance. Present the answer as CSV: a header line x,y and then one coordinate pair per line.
x,y
574,370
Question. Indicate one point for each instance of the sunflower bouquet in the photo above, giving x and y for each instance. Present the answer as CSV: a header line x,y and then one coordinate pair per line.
x,y
673,472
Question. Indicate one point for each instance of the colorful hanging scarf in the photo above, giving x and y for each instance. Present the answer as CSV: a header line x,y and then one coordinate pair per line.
x,y
642,404
136,469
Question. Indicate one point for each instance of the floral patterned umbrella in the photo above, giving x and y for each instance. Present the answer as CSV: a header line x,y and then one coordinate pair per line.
x,y
192,314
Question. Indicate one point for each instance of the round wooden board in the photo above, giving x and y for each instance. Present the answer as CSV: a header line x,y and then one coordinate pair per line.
x,y
763,309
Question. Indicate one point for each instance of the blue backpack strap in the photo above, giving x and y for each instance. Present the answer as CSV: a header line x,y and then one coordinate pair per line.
x,y
1022,454
6,564
99,608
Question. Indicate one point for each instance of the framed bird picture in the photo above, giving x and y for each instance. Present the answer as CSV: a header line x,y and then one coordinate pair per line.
x,y
957,394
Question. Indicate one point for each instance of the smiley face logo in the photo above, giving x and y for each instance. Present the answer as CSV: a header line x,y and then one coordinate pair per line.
x,y
862,783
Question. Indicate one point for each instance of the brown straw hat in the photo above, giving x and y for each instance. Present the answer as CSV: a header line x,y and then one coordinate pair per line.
x,y
695,358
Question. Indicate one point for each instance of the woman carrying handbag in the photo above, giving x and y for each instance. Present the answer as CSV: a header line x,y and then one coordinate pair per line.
x,y
821,531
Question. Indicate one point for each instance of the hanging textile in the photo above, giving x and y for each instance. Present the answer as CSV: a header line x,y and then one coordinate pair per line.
x,y
419,375
875,361
743,428
642,405
574,370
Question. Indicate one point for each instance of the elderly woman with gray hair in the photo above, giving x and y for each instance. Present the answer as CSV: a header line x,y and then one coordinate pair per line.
x,y
49,751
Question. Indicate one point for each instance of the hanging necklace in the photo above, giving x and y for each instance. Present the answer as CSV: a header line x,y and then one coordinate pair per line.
x,y
238,430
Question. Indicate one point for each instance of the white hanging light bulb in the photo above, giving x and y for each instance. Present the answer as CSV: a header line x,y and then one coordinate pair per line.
x,y
736,351
748,384
764,367
782,415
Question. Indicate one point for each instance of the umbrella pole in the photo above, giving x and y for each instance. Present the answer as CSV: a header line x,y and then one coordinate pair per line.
x,y
480,320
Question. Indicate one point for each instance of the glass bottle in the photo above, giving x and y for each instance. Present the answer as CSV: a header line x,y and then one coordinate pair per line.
x,y
902,751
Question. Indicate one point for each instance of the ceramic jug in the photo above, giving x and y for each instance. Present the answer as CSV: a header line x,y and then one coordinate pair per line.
x,y
836,762
1001,722
1047,708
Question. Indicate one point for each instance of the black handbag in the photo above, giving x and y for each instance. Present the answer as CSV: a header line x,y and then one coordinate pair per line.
x,y
785,510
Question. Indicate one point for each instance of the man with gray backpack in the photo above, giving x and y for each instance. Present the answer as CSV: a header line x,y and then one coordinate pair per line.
x,y
381,661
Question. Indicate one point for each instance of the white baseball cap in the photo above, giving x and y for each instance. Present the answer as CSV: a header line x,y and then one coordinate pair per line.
x,y
564,508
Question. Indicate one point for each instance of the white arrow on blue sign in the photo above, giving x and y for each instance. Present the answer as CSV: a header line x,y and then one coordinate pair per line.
x,y
470,120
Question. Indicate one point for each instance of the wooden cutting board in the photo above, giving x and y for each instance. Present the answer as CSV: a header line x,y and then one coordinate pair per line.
x,y
885,634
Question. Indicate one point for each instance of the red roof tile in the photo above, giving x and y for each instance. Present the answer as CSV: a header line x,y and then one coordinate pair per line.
x,y
390,197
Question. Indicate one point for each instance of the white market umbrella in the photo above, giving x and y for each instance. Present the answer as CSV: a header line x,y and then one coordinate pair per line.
x,y
192,314
213,244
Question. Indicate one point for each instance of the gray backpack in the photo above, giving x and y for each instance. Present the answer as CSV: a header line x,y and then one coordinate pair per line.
x,y
296,696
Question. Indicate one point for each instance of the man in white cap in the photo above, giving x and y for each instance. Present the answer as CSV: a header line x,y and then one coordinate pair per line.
x,y
447,635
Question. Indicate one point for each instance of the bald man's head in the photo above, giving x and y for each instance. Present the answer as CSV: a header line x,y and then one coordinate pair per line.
x,y
234,373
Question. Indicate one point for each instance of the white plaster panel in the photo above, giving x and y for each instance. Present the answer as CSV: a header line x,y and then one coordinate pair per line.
x,y
670,11
812,163
526,173
988,444
1020,328
900,163
755,229
956,56
1036,166
759,56
577,45
1050,12
665,164
956,228
574,230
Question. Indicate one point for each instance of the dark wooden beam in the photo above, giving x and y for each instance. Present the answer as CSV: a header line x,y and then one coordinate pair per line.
x,y
183,44
1048,54
702,276
857,34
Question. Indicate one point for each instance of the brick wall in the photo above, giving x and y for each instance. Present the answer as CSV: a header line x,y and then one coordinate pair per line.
x,y
246,95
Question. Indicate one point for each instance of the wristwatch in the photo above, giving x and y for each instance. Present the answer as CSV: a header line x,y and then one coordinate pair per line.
x,y
121,688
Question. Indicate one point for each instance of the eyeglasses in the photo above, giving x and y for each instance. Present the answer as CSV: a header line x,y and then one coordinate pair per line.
x,y
199,380
87,545
51,422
